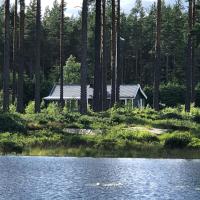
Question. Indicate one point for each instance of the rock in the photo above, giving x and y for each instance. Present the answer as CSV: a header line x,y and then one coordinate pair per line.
x,y
82,131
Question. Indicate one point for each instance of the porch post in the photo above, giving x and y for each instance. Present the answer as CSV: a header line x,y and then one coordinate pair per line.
x,y
125,102
132,103
70,104
87,102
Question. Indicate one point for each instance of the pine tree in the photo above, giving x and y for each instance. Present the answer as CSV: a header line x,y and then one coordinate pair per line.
x,y
30,41
189,61
20,88
61,52
84,58
104,59
113,56
51,38
14,52
157,59
193,95
6,57
118,68
37,66
97,69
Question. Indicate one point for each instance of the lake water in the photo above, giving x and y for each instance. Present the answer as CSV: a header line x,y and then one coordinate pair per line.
x,y
35,178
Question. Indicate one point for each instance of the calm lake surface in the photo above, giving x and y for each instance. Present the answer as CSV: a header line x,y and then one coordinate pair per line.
x,y
50,178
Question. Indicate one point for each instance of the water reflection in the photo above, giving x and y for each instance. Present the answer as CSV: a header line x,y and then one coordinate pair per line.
x,y
36,178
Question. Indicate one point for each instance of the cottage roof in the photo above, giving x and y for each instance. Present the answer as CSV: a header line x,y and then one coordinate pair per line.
x,y
74,91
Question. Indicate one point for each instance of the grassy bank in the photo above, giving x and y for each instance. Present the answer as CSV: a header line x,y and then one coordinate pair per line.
x,y
119,132
133,153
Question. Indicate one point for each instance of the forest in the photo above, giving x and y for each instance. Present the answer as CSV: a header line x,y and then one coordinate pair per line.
x,y
138,30
156,47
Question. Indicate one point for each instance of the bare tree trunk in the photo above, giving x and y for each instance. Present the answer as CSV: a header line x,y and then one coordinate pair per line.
x,y
105,57
193,95
141,51
113,55
118,67
97,70
61,53
14,53
157,58
37,67
104,67
189,62
20,88
136,66
101,61
141,67
84,58
167,67
6,57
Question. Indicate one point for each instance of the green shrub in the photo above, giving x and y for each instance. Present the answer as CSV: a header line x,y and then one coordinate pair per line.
x,y
171,94
129,120
7,147
178,140
122,133
117,118
34,126
171,116
71,117
12,123
171,113
196,118
53,109
174,124
195,112
78,140
12,109
195,143
30,108
106,144
74,125
86,121
139,136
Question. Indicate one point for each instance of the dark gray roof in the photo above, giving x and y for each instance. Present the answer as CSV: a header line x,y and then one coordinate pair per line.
x,y
74,91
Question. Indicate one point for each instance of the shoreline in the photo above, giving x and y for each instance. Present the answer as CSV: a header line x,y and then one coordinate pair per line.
x,y
93,153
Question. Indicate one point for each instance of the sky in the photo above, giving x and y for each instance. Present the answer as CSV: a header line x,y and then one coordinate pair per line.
x,y
73,6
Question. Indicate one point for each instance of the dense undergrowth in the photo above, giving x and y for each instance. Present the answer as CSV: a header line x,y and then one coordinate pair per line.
x,y
118,132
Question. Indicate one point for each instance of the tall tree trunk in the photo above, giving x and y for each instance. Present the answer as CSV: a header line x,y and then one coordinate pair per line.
x,y
61,53
105,61
14,53
157,59
84,58
189,62
37,67
113,55
20,88
118,67
193,95
6,58
141,65
167,68
136,67
97,69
